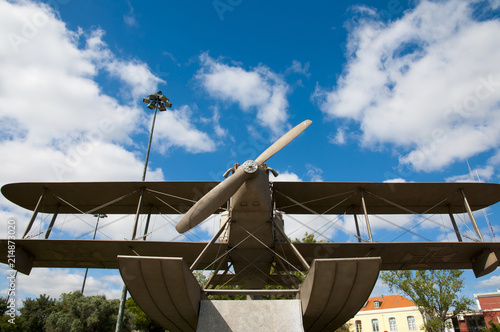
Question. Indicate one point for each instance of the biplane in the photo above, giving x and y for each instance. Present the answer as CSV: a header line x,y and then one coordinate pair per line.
x,y
251,249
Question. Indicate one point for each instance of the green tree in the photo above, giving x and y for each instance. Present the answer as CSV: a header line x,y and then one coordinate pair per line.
x,y
308,238
344,328
435,292
77,313
141,320
493,327
8,323
203,279
3,305
35,312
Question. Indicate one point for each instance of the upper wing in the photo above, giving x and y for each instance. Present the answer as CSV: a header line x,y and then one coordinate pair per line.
x,y
291,197
382,198
100,253
108,197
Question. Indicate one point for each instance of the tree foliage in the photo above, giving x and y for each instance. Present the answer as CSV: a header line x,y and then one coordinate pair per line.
x,y
308,238
3,305
435,292
8,323
344,328
142,321
493,327
75,312
35,312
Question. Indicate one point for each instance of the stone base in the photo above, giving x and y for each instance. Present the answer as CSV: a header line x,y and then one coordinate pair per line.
x,y
257,315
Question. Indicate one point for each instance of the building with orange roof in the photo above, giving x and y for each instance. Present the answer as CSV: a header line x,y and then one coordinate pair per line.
x,y
391,313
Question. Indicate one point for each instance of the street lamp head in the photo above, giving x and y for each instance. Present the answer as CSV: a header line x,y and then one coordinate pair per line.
x,y
157,100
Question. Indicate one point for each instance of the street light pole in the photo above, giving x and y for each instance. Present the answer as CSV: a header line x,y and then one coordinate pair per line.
x,y
149,146
157,102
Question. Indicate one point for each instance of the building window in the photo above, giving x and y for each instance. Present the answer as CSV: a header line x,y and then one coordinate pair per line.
x,y
358,326
376,304
392,324
412,326
375,325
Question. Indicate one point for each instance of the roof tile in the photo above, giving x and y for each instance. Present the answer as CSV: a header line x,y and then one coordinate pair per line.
x,y
388,302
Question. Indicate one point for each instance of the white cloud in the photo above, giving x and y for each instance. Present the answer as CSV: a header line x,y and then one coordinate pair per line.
x,y
55,115
476,175
174,128
427,84
491,282
494,4
219,131
135,74
396,180
57,123
314,173
284,176
259,89
339,138
55,111
53,282
296,226
298,68
129,18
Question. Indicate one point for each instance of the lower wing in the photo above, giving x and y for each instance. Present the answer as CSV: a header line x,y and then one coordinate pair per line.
x,y
479,256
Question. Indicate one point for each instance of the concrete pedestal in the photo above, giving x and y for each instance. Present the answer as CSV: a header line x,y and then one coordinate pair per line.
x,y
257,315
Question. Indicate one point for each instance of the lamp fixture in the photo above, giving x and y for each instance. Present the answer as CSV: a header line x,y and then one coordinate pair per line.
x,y
157,100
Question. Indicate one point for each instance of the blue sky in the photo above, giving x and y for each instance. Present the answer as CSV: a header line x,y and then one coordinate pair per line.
x,y
397,91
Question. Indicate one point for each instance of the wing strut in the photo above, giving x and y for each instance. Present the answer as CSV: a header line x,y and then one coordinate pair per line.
x,y
139,207
145,236
52,222
357,225
35,213
455,227
363,203
471,216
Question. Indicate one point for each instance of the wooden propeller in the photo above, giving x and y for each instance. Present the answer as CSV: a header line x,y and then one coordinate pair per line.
x,y
209,203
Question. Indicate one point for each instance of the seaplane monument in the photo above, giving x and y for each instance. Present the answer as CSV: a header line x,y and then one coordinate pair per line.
x,y
329,281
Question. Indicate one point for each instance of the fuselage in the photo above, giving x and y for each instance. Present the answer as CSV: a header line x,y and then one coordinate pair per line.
x,y
251,230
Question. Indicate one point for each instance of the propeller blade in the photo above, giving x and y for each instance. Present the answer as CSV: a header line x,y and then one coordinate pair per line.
x,y
282,142
213,200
